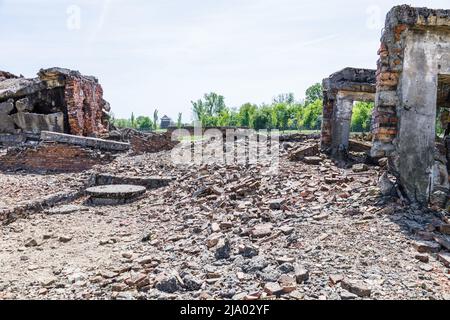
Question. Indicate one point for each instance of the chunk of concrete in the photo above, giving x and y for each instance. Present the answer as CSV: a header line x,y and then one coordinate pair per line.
x,y
35,123
24,105
7,124
6,107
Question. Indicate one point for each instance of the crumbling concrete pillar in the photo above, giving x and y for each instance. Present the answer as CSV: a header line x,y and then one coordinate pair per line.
x,y
341,126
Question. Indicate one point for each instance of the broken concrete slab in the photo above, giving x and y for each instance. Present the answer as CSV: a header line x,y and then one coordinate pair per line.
x,y
19,87
148,182
360,167
84,141
35,123
115,194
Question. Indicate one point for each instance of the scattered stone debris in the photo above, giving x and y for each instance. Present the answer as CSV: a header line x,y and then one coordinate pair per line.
x,y
221,245
319,229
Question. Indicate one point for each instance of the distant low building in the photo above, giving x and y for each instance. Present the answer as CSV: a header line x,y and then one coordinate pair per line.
x,y
166,122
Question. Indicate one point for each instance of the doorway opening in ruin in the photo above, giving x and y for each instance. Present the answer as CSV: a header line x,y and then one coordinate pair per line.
x,y
361,119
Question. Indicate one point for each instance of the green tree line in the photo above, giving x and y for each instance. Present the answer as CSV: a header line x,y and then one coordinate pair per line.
x,y
283,113
143,123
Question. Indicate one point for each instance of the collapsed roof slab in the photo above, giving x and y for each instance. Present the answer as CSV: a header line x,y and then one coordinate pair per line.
x,y
414,55
341,90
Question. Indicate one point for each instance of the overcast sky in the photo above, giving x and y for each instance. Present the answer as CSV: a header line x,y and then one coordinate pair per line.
x,y
162,54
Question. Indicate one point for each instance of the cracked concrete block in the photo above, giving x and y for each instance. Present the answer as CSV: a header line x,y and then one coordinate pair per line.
x,y
35,123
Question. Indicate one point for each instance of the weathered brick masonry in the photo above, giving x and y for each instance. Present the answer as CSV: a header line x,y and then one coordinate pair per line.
x,y
86,108
59,100
400,20
52,157
414,60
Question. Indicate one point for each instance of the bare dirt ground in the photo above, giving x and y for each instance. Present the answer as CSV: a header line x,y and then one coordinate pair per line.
x,y
310,232
23,187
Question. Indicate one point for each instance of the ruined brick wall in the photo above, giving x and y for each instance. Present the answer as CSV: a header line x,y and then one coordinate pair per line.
x,y
390,66
85,107
327,114
49,157
59,100
144,142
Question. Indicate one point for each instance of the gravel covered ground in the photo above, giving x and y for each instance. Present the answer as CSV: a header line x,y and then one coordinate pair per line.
x,y
21,187
310,232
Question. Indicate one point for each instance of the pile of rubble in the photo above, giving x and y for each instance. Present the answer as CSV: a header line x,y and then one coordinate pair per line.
x,y
59,100
232,232
144,142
